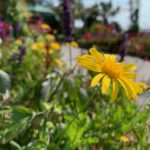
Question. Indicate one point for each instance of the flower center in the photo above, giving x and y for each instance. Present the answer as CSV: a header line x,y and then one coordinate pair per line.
x,y
112,69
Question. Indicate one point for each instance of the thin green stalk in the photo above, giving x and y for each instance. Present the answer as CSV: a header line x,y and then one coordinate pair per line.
x,y
59,83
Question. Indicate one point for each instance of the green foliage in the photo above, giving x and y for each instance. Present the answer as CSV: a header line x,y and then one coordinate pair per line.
x,y
4,81
75,118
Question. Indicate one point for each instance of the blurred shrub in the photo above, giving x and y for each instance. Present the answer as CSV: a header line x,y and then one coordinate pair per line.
x,y
102,36
139,45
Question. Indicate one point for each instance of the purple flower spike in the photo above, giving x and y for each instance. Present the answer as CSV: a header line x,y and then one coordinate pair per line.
x,y
68,20
123,47
23,39
18,26
22,52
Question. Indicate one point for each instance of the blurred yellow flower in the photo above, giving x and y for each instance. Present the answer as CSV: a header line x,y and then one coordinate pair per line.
x,y
34,46
73,44
111,72
18,41
39,46
59,62
124,139
55,45
45,26
51,51
50,37
27,14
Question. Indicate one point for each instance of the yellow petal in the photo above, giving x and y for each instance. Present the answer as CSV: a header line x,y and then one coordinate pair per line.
x,y
105,84
137,88
110,57
125,88
107,56
134,88
85,57
142,85
115,91
89,63
130,75
128,67
113,57
96,79
130,89
97,55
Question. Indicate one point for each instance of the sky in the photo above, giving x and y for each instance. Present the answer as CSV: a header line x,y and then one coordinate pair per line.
x,y
123,16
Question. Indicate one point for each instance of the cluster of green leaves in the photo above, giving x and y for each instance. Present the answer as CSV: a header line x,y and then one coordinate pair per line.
x,y
72,118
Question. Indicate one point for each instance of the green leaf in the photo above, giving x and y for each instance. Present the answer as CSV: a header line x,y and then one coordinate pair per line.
x,y
89,140
5,109
52,146
19,112
38,145
15,145
4,81
118,114
13,130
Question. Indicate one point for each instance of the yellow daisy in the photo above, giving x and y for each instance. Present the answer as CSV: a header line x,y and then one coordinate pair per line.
x,y
124,139
55,45
18,41
111,72
45,26
40,45
73,44
50,37
59,62
35,46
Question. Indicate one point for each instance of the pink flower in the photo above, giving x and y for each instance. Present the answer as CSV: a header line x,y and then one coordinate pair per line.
x,y
88,36
5,29
110,27
139,48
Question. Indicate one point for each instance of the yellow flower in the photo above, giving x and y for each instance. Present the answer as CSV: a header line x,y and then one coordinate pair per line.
x,y
34,46
45,26
124,139
59,63
73,44
51,51
39,46
50,37
27,15
111,72
54,45
143,85
18,41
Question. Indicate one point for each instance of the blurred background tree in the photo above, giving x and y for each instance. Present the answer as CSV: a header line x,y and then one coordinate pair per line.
x,y
106,11
134,15
83,17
